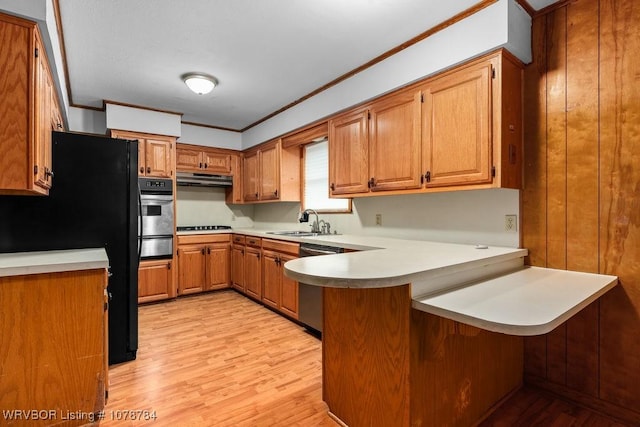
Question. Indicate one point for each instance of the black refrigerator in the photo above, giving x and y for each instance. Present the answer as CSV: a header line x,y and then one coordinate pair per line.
x,y
93,203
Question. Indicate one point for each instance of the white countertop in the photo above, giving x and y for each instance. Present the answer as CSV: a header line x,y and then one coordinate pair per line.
x,y
530,301
489,288
23,263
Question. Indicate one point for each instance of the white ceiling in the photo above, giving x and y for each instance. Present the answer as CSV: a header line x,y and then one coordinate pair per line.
x,y
265,53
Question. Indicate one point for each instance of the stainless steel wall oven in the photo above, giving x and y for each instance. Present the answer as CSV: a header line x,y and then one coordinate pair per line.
x,y
155,226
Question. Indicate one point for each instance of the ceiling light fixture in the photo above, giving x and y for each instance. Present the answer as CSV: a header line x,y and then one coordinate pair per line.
x,y
200,83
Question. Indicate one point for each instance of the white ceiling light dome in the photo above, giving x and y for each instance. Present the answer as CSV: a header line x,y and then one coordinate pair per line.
x,y
200,83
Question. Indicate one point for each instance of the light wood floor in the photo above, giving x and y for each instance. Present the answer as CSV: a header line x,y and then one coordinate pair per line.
x,y
220,359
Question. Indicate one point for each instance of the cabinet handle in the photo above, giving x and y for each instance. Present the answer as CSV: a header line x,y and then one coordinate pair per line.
x,y
202,251
169,265
148,169
48,173
59,126
208,251
427,176
258,256
275,193
200,166
333,187
206,166
142,170
372,182
256,195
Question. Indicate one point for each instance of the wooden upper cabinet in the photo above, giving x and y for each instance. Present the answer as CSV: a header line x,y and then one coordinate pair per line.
x,y
457,127
349,153
250,171
27,105
158,158
193,158
156,153
394,142
188,160
271,173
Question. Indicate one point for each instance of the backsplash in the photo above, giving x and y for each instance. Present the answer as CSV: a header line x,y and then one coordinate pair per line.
x,y
206,206
474,216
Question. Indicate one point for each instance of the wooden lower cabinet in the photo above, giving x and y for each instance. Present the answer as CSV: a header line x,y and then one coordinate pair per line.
x,y
155,280
387,364
279,292
237,266
253,272
204,263
53,345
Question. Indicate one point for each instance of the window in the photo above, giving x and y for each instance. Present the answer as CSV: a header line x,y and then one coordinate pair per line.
x,y
316,180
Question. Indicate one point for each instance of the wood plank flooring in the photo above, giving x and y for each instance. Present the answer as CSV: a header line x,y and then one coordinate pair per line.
x,y
220,359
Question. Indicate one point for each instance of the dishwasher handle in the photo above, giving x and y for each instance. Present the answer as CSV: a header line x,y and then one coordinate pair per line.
x,y
306,251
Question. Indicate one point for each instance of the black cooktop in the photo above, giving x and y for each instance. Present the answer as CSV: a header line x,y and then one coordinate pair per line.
x,y
203,227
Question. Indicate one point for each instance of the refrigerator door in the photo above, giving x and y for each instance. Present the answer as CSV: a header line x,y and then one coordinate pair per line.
x,y
93,203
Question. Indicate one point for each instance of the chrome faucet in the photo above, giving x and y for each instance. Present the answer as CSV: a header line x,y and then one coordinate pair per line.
x,y
326,227
315,226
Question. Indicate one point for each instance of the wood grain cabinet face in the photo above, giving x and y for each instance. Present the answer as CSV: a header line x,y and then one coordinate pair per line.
x,y
155,153
27,106
349,153
394,142
191,269
191,159
237,267
204,263
218,266
250,182
279,291
457,127
271,173
54,338
253,272
155,280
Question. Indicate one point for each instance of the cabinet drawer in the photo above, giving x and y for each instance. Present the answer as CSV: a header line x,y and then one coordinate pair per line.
x,y
238,239
280,246
203,238
253,241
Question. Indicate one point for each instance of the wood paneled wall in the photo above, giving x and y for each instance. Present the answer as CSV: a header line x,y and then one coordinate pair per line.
x,y
581,202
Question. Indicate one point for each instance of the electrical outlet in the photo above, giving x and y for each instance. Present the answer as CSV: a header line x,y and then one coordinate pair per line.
x,y
379,219
511,223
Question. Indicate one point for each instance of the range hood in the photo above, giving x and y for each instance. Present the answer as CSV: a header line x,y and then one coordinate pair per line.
x,y
193,179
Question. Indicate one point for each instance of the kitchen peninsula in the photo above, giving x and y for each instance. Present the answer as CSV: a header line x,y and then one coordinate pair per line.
x,y
425,333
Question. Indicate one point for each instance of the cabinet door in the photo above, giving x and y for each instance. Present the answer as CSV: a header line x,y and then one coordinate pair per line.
x,y
270,173
142,155
158,158
42,146
216,163
395,143
457,128
289,291
250,174
349,153
253,272
154,280
218,266
237,267
188,160
191,269
272,279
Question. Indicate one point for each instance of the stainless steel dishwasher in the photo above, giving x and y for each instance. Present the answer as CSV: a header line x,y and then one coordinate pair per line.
x,y
309,296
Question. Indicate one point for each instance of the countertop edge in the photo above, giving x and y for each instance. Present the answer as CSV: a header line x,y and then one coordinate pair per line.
x,y
519,329
42,262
